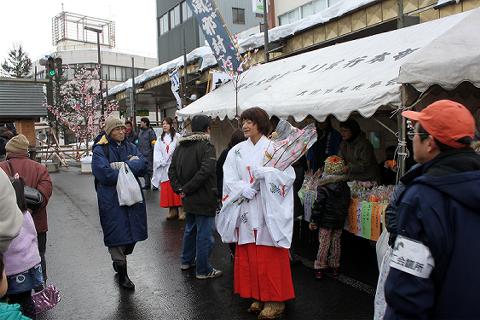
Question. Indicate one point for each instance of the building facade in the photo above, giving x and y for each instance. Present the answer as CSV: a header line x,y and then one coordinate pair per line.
x,y
76,42
178,31
289,11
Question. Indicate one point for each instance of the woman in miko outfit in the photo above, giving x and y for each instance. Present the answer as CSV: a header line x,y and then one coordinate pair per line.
x,y
261,202
162,157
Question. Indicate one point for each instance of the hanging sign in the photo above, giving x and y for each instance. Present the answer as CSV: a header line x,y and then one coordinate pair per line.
x,y
216,34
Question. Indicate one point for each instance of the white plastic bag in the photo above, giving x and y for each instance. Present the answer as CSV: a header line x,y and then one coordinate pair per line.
x,y
128,189
382,246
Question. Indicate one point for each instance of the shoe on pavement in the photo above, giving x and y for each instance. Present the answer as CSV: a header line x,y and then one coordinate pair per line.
x,y
256,307
213,274
272,310
187,266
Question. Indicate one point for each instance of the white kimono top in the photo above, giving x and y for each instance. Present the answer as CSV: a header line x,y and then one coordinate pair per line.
x,y
162,157
270,212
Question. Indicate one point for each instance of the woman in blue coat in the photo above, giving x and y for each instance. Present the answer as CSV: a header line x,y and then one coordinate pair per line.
x,y
123,226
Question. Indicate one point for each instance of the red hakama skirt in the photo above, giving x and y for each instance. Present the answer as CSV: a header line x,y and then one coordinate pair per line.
x,y
168,198
263,273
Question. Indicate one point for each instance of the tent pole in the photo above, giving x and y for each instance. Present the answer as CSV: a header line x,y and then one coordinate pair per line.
x,y
402,145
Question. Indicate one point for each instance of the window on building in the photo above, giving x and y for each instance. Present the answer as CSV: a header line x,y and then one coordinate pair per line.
x,y
332,2
186,12
175,17
164,24
290,17
307,10
112,73
319,5
238,15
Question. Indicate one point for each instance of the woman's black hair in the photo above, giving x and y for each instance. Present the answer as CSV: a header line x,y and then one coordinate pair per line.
x,y
353,126
236,138
259,117
172,129
146,120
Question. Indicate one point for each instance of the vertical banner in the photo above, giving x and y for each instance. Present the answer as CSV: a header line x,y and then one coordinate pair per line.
x,y
216,34
175,81
257,6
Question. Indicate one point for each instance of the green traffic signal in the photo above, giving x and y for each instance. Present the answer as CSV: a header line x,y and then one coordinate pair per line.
x,y
51,72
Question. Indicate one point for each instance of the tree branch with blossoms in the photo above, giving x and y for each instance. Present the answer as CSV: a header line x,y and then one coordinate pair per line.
x,y
79,103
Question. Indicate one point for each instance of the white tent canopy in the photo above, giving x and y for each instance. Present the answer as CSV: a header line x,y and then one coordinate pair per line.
x,y
448,60
359,75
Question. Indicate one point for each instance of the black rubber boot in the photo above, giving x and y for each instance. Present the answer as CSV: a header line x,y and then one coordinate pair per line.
x,y
123,279
115,266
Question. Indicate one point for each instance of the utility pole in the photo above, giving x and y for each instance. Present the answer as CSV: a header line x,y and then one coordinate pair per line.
x,y
401,122
185,66
265,31
401,16
133,95
99,58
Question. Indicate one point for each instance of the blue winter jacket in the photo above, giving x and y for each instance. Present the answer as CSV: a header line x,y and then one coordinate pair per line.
x,y
121,225
440,208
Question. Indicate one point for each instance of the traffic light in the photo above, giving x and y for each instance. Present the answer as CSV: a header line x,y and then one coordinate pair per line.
x,y
58,67
50,67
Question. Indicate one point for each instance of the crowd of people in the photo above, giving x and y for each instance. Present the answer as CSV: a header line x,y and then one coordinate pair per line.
x,y
429,269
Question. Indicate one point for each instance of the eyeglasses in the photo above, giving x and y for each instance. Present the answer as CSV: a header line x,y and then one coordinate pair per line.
x,y
412,134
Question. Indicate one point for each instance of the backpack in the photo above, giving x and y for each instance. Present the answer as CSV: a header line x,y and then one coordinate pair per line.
x,y
27,197
19,185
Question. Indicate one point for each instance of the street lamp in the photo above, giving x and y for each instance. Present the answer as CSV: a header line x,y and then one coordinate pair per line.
x,y
98,31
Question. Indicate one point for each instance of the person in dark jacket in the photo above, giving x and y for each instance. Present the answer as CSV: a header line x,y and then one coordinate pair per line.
x,y
130,134
146,139
5,135
123,226
327,144
358,153
192,176
329,213
435,261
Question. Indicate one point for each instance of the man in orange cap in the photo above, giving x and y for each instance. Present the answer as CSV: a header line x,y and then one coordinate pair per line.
x,y
435,261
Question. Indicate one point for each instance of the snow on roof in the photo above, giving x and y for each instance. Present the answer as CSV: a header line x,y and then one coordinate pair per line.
x,y
441,3
203,53
337,10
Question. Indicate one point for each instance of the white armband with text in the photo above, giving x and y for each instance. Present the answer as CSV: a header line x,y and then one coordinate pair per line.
x,y
412,257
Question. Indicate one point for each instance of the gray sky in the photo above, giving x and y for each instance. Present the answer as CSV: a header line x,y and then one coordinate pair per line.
x,y
29,22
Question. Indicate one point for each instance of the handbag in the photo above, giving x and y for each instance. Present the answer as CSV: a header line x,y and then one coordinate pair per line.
x,y
33,197
46,299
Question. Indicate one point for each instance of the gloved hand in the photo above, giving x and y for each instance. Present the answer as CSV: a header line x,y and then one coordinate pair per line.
x,y
134,158
258,173
249,193
117,165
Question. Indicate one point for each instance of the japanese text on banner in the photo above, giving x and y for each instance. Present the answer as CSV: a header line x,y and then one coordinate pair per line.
x,y
215,33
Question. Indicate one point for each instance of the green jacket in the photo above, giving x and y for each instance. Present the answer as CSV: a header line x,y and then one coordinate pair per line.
x,y
360,159
193,172
11,312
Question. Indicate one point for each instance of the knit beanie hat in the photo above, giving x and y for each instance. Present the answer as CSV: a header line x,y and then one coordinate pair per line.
x,y
334,165
112,123
18,144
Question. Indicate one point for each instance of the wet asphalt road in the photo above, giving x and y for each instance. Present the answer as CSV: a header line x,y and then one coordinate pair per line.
x,y
79,264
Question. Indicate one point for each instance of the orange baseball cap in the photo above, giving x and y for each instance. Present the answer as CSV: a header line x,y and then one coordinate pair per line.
x,y
446,120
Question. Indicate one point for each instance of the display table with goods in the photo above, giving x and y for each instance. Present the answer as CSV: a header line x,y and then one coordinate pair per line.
x,y
367,208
